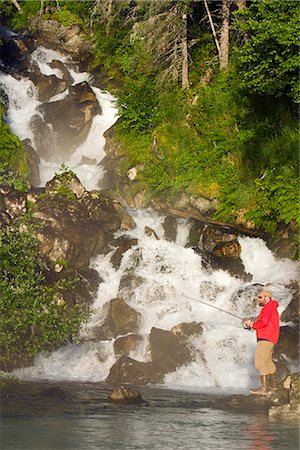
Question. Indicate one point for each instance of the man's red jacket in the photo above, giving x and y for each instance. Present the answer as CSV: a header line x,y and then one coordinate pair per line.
x,y
267,324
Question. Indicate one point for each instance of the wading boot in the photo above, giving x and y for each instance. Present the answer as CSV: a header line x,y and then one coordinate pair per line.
x,y
272,381
263,389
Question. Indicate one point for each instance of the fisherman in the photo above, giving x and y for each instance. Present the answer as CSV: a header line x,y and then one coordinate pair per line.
x,y
267,333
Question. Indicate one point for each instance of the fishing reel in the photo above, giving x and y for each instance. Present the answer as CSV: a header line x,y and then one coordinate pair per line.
x,y
247,327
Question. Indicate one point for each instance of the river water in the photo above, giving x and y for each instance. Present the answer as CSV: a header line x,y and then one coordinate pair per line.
x,y
77,416
73,411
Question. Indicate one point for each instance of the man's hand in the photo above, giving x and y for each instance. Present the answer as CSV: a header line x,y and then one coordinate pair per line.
x,y
249,323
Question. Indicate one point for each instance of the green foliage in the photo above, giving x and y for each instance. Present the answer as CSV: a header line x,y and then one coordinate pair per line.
x,y
269,57
65,17
29,8
12,154
31,317
6,9
13,179
277,199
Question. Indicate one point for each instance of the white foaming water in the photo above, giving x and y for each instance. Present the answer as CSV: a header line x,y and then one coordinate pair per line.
x,y
22,96
23,105
261,263
222,355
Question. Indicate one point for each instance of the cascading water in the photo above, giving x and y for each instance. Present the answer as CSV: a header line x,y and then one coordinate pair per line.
x,y
170,272
22,106
223,354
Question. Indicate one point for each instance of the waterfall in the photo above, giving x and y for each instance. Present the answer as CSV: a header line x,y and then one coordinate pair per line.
x,y
22,106
223,354
170,271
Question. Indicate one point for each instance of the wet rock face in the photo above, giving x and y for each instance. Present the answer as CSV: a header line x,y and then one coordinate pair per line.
x,y
126,344
69,119
125,245
15,53
73,224
292,312
53,34
121,319
128,370
288,343
47,85
168,349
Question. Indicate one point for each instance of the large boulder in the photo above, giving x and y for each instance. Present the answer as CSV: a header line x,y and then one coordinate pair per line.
x,y
288,342
53,34
126,344
47,85
128,370
287,400
120,319
33,160
125,395
292,312
124,245
74,224
15,54
66,122
168,350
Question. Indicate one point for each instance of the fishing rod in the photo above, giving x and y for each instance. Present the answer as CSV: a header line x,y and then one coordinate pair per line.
x,y
212,306
216,307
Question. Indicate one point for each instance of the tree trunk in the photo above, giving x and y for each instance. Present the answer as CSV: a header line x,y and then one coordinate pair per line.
x,y
17,6
109,16
224,41
212,27
185,55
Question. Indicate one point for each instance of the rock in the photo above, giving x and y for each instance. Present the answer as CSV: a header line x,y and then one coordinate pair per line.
x,y
132,173
170,228
47,85
54,34
127,221
66,77
64,136
168,351
247,300
123,248
196,231
288,343
127,370
15,54
121,319
184,330
292,312
244,404
222,250
286,400
129,283
126,344
73,224
126,395
13,204
150,232
33,160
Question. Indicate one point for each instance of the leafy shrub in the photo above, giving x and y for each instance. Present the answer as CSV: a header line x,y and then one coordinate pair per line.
x,y
269,59
12,153
31,317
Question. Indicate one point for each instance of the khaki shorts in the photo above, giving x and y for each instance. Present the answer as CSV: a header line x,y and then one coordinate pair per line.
x,y
263,358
